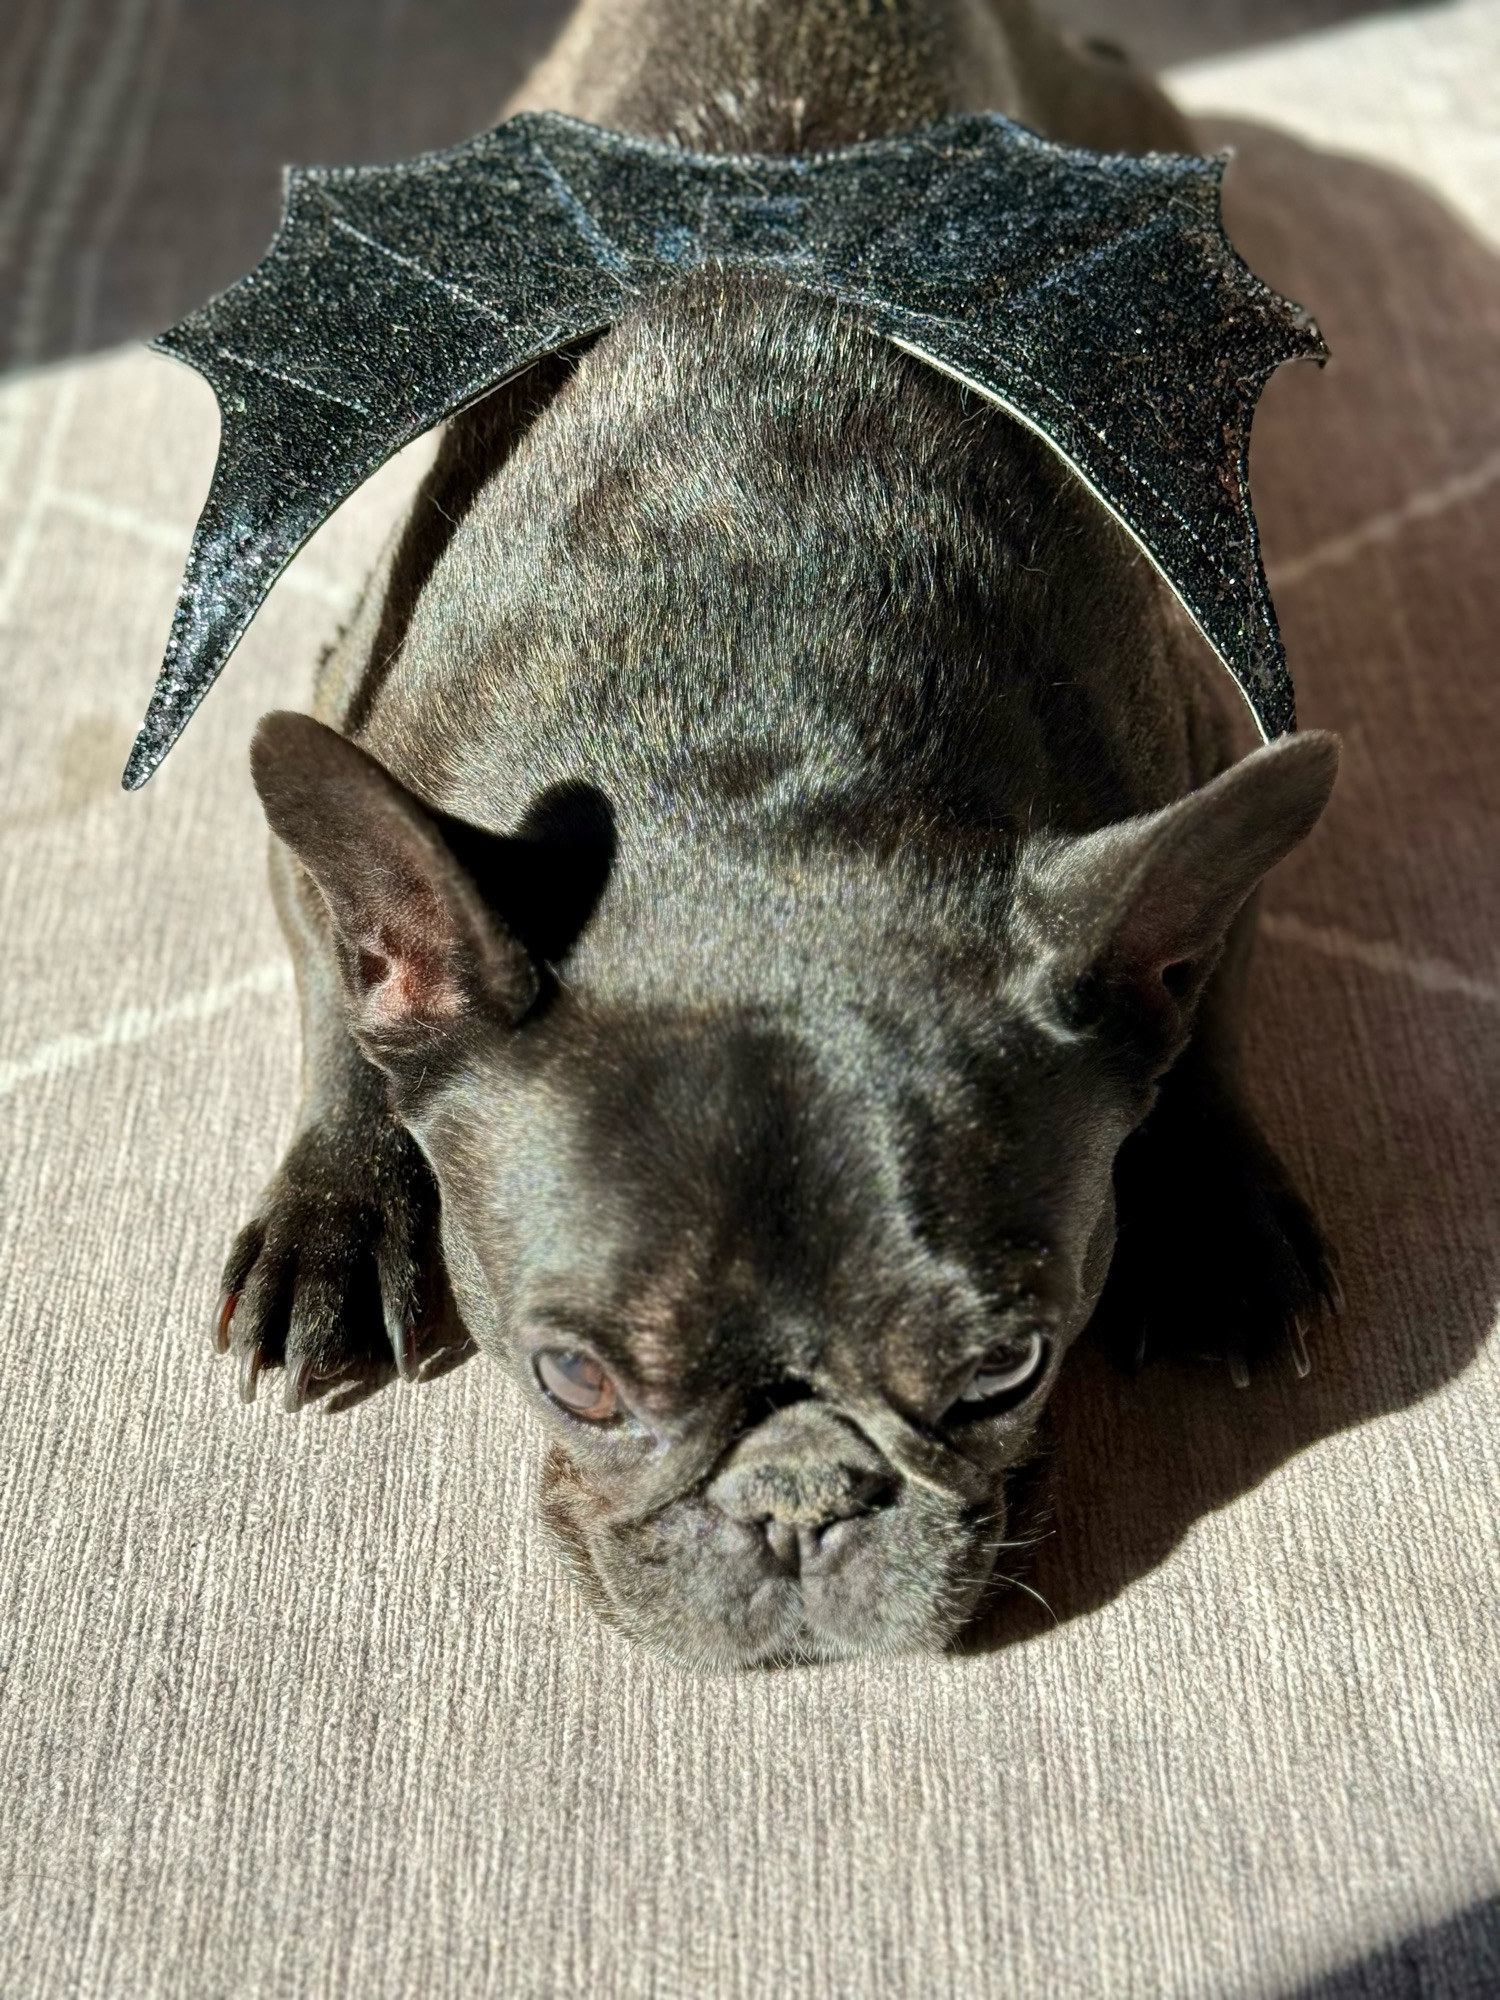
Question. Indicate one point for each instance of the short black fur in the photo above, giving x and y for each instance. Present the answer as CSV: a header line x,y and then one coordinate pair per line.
x,y
768,882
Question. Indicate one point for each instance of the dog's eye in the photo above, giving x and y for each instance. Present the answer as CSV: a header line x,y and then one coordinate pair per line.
x,y
578,1384
1004,1374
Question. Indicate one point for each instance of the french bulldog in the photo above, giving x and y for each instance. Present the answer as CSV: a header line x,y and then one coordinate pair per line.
x,y
771,890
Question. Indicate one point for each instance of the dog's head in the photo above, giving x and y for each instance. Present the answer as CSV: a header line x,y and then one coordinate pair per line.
x,y
780,1182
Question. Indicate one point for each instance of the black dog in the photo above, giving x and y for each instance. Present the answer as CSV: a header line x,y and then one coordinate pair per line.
x,y
755,924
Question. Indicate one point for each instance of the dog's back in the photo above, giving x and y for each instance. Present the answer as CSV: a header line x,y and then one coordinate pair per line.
x,y
747,542
782,76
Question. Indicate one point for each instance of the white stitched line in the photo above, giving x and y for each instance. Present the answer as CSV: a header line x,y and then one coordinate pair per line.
x,y
464,297
19,561
584,221
1386,527
291,381
1436,975
299,578
140,1024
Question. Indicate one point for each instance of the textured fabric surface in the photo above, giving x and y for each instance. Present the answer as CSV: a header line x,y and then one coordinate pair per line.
x,y
303,1706
1418,92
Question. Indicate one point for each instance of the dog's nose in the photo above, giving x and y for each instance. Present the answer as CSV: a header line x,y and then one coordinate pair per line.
x,y
807,1513
805,1477
806,1493
804,1547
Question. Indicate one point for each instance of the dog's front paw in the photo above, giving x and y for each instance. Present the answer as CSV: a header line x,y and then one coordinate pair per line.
x,y
1218,1257
338,1279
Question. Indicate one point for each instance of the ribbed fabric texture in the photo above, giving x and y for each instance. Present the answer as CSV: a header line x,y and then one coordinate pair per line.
x,y
296,1707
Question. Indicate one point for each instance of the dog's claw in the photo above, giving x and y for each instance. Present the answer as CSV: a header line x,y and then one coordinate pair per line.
x,y
339,1275
408,1351
1297,1341
222,1323
1239,1374
298,1383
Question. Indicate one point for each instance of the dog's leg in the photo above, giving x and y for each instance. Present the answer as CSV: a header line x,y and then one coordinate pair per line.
x,y
339,1275
1218,1256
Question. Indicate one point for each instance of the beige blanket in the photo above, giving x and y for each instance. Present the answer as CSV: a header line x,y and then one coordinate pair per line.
x,y
302,1706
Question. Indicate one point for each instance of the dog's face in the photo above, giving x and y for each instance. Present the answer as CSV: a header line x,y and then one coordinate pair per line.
x,y
783,1241
788,1290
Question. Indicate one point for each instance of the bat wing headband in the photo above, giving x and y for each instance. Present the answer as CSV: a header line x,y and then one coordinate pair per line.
x,y
1094,297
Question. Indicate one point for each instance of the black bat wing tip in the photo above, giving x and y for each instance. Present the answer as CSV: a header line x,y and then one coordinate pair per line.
x,y
145,755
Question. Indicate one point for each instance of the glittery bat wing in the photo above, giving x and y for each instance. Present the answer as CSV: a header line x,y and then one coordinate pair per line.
x,y
1095,297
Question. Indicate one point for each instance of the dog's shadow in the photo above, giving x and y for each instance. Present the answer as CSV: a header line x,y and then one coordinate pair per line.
x,y
1376,997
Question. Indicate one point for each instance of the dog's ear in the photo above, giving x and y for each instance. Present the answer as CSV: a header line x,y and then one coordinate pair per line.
x,y
421,952
1131,920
